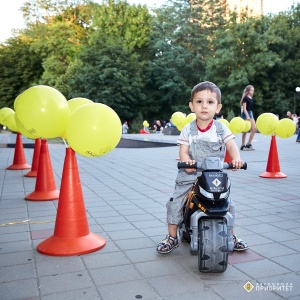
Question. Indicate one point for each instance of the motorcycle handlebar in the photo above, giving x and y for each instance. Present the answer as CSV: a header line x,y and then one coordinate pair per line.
x,y
197,165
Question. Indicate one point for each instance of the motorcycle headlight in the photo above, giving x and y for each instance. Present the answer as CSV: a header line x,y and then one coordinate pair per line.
x,y
209,195
206,194
224,195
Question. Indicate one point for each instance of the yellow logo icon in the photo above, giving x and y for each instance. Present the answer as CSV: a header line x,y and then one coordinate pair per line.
x,y
216,182
248,286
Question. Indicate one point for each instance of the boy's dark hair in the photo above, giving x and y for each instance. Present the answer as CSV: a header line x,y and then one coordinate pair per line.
x,y
206,85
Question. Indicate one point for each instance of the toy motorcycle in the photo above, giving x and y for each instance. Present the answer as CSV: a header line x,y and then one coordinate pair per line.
x,y
207,223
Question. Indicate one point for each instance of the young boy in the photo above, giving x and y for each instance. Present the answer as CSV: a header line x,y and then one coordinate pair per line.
x,y
199,139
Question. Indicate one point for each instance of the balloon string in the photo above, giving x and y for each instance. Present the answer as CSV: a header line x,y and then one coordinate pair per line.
x,y
26,222
67,146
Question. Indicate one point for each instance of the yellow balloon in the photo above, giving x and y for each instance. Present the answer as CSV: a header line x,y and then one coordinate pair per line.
x,y
23,131
237,125
11,123
180,126
73,104
43,111
94,130
285,128
224,121
190,117
266,123
77,102
247,126
145,123
178,118
4,113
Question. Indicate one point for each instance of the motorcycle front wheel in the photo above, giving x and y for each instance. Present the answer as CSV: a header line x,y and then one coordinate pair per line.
x,y
212,246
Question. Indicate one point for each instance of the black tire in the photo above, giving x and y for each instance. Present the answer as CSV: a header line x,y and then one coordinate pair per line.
x,y
213,246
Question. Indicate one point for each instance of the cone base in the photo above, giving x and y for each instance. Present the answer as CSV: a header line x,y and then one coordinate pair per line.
x,y
273,175
43,196
31,174
56,246
19,167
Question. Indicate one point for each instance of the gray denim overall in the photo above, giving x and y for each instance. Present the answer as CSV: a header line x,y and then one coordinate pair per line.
x,y
199,149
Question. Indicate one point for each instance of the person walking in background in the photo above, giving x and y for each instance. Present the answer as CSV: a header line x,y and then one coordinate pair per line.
x,y
295,119
289,115
247,102
298,128
125,127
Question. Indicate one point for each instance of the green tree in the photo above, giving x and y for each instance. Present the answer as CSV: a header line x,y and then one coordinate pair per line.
x,y
20,67
172,63
242,56
283,78
144,65
57,29
117,19
180,44
111,68
107,72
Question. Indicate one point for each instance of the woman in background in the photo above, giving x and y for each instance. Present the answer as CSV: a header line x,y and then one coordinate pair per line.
x,y
247,102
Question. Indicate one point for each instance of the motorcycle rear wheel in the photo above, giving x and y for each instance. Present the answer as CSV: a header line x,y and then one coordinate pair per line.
x,y
212,246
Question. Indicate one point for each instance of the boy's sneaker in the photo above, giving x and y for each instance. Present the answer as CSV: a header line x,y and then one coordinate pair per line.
x,y
249,147
243,147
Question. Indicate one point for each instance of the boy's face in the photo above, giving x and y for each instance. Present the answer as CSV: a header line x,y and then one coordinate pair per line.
x,y
205,105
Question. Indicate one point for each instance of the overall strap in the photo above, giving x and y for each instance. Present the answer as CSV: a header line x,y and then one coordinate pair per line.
x,y
194,129
220,130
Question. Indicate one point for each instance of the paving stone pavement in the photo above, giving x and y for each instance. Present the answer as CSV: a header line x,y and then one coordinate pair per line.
x,y
125,193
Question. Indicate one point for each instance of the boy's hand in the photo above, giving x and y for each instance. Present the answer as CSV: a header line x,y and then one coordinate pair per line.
x,y
190,162
237,164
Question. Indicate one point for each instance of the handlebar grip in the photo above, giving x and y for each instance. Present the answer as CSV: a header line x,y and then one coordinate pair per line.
x,y
183,165
230,166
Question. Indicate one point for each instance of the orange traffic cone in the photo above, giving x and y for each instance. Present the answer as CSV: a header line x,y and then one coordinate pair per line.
x,y
227,158
273,167
71,234
35,159
19,162
45,188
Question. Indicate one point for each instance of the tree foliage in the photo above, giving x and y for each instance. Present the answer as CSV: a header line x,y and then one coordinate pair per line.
x,y
283,78
19,68
144,63
117,19
57,29
242,56
180,44
109,73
